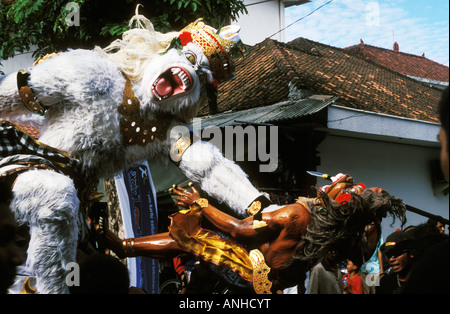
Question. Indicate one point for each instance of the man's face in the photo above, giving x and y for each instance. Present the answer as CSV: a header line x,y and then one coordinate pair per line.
x,y
444,153
440,227
331,257
400,261
10,256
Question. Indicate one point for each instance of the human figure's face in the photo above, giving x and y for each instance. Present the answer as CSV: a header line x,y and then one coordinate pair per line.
x,y
10,256
444,153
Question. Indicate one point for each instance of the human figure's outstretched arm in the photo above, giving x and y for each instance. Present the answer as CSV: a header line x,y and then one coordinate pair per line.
x,y
236,228
159,245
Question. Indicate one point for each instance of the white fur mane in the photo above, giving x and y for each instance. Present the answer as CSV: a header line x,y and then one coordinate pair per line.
x,y
137,48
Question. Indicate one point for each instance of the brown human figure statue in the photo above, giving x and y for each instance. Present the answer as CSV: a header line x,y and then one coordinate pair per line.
x,y
261,253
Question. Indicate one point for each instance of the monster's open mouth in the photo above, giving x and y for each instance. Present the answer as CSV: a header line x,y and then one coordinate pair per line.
x,y
172,82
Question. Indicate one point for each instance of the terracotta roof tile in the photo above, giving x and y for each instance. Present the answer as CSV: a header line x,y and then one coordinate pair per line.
x,y
401,62
263,76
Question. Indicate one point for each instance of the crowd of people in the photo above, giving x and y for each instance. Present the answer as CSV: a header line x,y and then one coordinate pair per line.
x,y
413,260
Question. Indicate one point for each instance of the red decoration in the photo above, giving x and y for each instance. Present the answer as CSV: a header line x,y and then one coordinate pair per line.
x,y
215,82
362,185
345,197
185,38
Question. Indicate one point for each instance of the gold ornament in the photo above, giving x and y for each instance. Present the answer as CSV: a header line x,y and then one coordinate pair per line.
x,y
46,57
134,129
128,247
28,288
180,146
202,202
259,224
26,93
261,282
254,208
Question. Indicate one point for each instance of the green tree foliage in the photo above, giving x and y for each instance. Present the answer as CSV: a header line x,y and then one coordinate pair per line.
x,y
42,23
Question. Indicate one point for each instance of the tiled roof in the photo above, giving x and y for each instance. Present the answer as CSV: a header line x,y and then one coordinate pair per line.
x,y
401,62
258,82
263,76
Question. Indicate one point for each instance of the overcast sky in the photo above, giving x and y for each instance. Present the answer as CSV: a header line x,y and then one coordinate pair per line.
x,y
418,26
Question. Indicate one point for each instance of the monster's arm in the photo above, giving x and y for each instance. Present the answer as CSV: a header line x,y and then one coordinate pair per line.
x,y
221,178
77,76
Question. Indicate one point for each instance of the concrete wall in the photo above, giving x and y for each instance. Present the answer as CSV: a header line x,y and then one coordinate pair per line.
x,y
263,20
20,61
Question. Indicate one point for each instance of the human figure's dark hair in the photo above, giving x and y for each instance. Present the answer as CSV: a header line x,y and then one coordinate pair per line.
x,y
340,227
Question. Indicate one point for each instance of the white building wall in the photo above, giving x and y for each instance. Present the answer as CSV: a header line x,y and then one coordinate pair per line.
x,y
263,20
18,62
401,169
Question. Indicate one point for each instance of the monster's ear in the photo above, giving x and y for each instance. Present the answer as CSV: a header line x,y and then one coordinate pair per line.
x,y
230,32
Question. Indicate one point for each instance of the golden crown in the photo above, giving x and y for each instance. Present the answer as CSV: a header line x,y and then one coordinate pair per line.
x,y
216,46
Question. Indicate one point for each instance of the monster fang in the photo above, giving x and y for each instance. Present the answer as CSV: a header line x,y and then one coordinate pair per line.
x,y
173,81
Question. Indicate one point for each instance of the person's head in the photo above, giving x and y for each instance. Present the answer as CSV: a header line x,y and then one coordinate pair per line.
x,y
10,256
330,259
443,134
435,223
352,267
102,274
426,235
399,250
